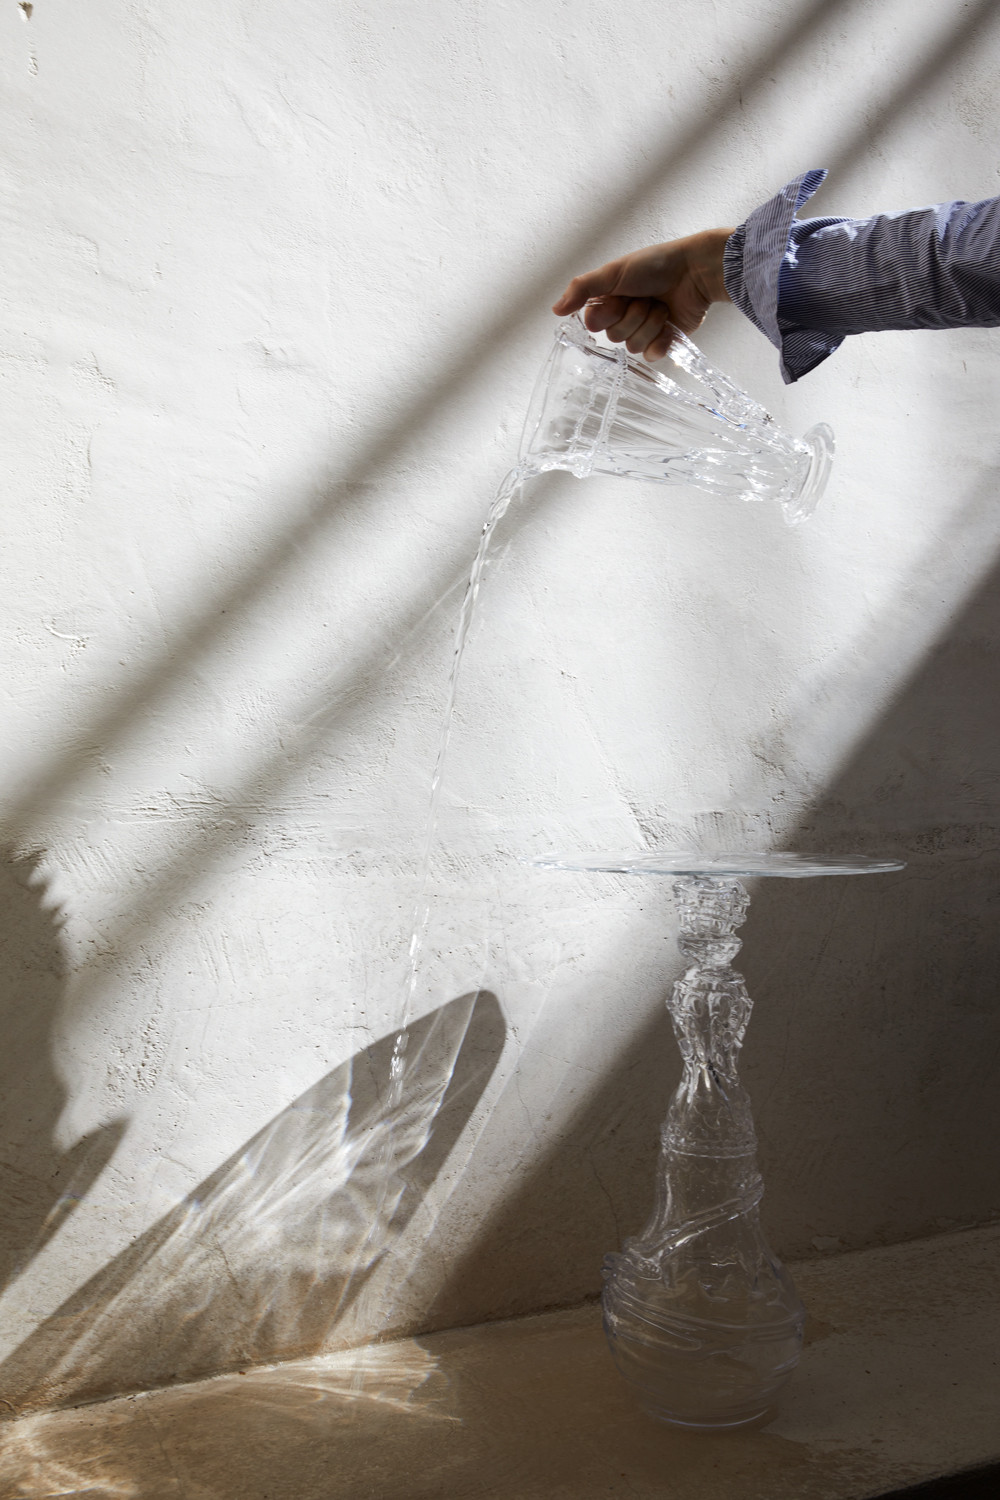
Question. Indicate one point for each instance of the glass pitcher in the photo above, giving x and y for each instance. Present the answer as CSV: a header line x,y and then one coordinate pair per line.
x,y
598,410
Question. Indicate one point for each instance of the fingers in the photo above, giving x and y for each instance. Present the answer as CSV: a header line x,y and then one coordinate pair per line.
x,y
635,298
642,324
635,314
659,347
650,332
635,321
604,312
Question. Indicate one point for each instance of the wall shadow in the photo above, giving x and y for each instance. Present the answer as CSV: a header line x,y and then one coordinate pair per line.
x,y
336,505
144,1293
264,1260
543,1245
40,1185
874,1051
889,984
339,504
327,717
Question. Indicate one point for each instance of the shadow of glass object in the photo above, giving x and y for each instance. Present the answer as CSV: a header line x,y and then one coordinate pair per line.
x,y
39,1184
265,1258
544,1242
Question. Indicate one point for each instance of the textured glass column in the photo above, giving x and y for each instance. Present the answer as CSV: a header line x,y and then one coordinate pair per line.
x,y
702,1318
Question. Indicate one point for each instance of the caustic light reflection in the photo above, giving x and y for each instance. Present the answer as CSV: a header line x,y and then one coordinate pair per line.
x,y
266,1259
129,1448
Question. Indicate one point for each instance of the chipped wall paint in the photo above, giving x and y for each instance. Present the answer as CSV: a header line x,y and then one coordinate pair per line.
x,y
275,294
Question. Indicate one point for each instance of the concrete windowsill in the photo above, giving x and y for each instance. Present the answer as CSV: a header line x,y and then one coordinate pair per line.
x,y
900,1382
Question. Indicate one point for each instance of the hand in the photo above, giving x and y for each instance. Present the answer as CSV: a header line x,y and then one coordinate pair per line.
x,y
633,299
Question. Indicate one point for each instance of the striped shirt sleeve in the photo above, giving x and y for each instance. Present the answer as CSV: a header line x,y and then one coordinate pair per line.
x,y
807,284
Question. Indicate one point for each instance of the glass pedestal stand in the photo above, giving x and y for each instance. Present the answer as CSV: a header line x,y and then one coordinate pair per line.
x,y
701,1317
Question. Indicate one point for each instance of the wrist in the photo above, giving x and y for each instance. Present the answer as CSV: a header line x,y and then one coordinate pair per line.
x,y
708,268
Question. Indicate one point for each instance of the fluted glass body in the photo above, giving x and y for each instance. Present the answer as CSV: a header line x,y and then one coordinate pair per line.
x,y
597,409
702,1318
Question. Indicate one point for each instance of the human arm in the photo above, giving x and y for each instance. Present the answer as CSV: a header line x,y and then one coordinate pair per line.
x,y
807,284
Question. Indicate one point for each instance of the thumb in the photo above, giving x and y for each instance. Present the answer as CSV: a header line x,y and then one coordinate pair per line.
x,y
582,288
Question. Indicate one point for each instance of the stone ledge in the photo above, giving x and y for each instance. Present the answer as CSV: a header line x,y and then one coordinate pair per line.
x,y
899,1384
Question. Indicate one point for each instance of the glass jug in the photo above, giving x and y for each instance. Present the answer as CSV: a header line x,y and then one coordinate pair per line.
x,y
598,410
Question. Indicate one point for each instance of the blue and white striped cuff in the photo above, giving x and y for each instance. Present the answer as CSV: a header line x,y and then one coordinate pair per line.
x,y
754,255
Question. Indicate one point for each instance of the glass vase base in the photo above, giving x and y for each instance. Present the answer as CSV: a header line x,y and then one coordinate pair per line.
x,y
681,1399
670,1419
696,1373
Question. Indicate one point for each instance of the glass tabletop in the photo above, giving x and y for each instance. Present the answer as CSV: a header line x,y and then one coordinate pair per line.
x,y
693,862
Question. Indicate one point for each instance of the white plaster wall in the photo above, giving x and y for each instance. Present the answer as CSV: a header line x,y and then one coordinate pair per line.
x,y
274,295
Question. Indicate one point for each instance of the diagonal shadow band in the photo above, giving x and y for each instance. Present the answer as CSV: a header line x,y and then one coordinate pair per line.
x,y
317,717
267,1258
327,716
337,506
946,53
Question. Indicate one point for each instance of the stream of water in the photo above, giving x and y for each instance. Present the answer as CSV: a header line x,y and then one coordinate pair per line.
x,y
383,1207
509,486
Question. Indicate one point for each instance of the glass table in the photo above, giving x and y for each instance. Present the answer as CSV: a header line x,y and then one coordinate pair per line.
x,y
702,1318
